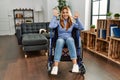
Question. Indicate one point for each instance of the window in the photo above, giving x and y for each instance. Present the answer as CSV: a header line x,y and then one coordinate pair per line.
x,y
99,8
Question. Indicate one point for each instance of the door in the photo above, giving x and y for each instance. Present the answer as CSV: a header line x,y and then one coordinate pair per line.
x,y
5,17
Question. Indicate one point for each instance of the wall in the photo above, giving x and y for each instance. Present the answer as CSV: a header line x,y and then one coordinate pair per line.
x,y
50,5
4,18
87,14
79,5
115,6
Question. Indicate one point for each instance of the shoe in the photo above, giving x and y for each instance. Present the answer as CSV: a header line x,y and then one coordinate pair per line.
x,y
54,70
75,68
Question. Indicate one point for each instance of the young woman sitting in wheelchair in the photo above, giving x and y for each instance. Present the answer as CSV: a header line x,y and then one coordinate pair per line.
x,y
65,26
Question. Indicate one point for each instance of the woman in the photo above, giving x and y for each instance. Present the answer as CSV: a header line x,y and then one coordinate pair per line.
x,y
65,26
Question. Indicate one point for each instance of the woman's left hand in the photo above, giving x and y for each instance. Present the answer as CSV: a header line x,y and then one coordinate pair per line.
x,y
76,15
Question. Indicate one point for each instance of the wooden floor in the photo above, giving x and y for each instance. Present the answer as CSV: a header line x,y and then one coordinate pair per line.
x,y
13,65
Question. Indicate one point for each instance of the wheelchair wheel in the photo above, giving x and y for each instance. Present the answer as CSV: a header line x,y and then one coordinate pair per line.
x,y
49,67
82,69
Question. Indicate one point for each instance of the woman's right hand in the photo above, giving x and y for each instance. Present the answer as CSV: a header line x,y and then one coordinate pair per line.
x,y
55,12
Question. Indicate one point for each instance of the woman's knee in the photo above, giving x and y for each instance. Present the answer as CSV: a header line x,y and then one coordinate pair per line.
x,y
70,39
60,41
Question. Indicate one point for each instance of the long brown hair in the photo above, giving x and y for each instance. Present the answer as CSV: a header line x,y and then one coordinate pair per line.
x,y
69,21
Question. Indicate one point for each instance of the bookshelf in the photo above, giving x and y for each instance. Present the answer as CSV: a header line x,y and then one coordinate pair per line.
x,y
23,16
103,45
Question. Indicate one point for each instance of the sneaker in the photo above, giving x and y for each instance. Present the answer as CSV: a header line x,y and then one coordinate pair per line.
x,y
54,70
75,68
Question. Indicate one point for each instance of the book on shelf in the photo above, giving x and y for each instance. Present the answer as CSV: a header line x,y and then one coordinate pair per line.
x,y
102,33
112,26
116,32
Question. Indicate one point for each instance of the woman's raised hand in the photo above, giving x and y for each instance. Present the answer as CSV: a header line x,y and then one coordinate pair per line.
x,y
55,12
76,15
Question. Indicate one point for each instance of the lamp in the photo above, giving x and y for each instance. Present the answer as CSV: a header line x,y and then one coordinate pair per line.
x,y
38,9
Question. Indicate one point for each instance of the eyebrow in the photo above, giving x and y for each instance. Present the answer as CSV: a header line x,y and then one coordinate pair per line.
x,y
65,12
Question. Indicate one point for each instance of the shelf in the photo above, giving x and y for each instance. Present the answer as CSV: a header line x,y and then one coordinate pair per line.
x,y
91,49
109,47
92,33
28,17
84,39
21,15
114,48
24,18
115,38
117,61
102,40
104,54
17,25
18,18
23,10
84,31
91,40
109,19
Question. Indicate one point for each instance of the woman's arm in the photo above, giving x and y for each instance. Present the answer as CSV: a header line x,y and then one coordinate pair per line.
x,y
78,24
53,23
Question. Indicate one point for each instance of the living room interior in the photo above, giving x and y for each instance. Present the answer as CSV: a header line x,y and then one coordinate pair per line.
x,y
24,55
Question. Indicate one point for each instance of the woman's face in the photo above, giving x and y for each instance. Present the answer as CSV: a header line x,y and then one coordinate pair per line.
x,y
65,14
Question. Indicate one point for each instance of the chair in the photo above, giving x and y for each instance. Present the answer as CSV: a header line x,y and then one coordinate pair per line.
x,y
29,37
65,56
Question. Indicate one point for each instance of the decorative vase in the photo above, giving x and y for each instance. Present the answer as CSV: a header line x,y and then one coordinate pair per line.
x,y
116,17
92,30
109,17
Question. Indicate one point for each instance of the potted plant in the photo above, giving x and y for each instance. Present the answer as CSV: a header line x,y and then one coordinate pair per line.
x,y
109,14
92,28
61,4
116,15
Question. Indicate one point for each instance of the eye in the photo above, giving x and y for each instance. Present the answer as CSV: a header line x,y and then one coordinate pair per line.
x,y
65,12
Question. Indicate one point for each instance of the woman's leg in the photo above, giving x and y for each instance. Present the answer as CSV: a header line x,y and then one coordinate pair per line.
x,y
58,52
71,47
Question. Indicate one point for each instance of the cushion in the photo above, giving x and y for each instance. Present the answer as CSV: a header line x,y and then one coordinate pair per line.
x,y
34,39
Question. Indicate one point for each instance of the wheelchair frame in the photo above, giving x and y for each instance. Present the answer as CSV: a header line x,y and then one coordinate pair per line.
x,y
64,57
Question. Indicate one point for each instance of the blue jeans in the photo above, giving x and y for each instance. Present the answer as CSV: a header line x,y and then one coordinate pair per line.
x,y
59,46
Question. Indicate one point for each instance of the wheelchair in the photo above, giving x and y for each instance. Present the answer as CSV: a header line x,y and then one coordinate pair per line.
x,y
65,53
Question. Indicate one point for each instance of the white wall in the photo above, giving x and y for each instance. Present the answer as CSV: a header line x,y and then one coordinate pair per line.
x,y
4,18
87,14
79,5
50,5
115,6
